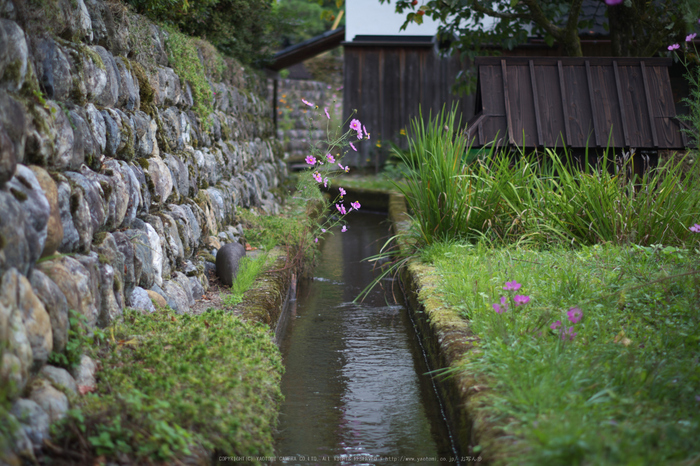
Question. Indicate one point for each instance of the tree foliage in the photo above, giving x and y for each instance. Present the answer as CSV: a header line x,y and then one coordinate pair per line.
x,y
636,27
245,29
307,18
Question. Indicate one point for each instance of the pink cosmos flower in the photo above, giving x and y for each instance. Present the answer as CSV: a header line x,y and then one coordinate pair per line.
x,y
315,240
355,125
695,228
568,333
575,315
555,325
307,102
325,182
515,286
501,308
317,176
355,205
341,208
353,147
311,160
365,130
323,230
344,229
327,115
674,47
521,299
342,191
330,158
690,37
613,2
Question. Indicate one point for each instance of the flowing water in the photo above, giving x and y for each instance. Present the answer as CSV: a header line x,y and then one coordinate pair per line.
x,y
355,390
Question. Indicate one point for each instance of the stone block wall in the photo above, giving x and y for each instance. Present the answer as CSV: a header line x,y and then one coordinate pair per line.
x,y
293,115
112,187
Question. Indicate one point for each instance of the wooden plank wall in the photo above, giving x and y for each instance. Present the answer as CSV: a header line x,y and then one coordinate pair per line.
x,y
388,84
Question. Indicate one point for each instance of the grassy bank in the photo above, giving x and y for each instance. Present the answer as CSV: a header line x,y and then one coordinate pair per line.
x,y
579,280
621,385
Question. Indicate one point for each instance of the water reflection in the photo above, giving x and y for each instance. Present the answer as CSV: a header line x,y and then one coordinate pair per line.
x,y
352,386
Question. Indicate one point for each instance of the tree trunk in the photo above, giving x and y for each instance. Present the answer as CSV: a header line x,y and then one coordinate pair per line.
x,y
572,45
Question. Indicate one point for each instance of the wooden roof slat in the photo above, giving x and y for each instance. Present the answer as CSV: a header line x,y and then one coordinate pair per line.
x,y
536,101
594,111
594,96
564,103
649,109
622,105
570,61
509,120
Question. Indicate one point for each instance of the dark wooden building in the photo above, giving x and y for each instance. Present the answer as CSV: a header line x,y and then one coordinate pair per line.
x,y
589,102
387,79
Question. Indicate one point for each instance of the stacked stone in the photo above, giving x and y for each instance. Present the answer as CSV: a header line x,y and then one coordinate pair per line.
x,y
294,132
106,202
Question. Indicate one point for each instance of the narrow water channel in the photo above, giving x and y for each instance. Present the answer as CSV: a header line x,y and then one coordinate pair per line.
x,y
355,390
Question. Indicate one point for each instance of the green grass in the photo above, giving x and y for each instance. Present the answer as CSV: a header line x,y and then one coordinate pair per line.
x,y
248,270
171,385
377,182
268,231
546,199
625,390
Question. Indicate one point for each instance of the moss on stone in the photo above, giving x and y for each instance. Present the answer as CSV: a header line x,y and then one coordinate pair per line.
x,y
127,135
98,238
94,56
143,162
13,71
19,195
184,59
208,257
90,160
106,189
145,89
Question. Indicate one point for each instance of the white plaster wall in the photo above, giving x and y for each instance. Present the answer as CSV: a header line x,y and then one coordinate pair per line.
x,y
369,17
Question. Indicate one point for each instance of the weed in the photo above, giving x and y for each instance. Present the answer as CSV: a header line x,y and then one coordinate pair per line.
x,y
80,337
182,52
248,270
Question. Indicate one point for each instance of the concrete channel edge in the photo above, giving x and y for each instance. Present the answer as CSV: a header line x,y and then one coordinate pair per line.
x,y
447,339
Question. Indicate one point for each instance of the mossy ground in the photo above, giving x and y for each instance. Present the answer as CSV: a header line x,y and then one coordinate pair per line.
x,y
176,386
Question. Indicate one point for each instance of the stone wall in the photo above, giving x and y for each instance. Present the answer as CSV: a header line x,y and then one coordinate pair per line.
x,y
114,187
293,115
